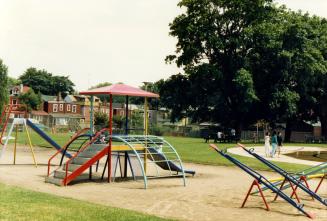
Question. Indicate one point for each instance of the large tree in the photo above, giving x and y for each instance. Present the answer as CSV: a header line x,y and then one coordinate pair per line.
x,y
4,85
214,40
31,100
45,83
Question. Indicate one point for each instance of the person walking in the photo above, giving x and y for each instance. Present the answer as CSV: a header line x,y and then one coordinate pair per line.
x,y
279,143
267,144
273,144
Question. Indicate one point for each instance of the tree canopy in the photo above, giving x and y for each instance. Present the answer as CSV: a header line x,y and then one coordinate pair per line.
x,y
245,61
31,100
46,83
4,85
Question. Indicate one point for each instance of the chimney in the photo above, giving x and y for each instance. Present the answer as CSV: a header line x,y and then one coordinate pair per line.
x,y
21,88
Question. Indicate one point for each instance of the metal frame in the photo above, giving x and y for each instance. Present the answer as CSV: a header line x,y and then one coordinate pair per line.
x,y
261,180
288,177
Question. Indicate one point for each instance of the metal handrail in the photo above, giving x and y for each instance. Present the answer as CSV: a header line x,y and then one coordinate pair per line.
x,y
81,150
65,146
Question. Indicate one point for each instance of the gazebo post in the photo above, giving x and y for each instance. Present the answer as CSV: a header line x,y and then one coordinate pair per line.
x,y
110,140
126,116
126,133
91,115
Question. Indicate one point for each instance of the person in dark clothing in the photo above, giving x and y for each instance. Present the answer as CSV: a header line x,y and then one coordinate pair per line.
x,y
279,143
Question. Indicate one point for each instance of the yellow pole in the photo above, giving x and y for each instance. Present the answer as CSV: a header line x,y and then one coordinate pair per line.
x,y
15,147
145,132
30,144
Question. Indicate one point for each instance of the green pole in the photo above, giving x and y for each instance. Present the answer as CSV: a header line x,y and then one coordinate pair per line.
x,y
91,115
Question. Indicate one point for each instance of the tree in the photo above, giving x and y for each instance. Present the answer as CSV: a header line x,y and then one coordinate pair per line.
x,y
31,100
214,39
45,83
4,85
13,82
104,84
100,120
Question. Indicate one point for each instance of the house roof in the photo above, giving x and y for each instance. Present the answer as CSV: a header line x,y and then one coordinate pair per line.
x,y
48,98
120,89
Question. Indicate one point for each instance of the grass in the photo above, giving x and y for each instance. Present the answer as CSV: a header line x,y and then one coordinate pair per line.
x,y
20,204
60,138
193,150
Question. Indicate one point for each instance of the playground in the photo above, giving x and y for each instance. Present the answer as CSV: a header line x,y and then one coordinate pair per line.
x,y
101,167
214,190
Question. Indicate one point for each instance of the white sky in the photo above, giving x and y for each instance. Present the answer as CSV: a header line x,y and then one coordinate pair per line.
x,y
96,41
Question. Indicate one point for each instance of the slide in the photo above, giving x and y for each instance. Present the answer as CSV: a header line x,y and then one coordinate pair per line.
x,y
157,156
45,136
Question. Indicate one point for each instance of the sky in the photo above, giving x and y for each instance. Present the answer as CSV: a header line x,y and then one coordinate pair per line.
x,y
97,41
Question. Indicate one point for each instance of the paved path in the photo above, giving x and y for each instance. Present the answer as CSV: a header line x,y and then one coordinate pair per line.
x,y
282,158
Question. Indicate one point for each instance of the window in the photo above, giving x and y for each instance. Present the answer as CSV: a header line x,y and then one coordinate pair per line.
x,y
55,108
74,108
14,101
61,107
68,107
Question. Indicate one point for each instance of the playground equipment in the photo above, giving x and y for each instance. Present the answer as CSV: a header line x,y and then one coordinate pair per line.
x,y
318,171
17,124
288,177
15,117
260,180
139,153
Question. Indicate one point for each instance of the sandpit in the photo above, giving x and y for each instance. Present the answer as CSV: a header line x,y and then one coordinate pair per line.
x,y
215,193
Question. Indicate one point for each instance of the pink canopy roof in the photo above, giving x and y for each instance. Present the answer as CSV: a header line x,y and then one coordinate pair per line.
x,y
120,89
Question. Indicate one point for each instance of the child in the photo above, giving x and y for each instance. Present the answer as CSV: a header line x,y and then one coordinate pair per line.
x,y
273,144
267,144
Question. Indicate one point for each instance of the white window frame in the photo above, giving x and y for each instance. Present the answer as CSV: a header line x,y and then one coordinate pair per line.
x,y
61,107
74,108
55,108
68,107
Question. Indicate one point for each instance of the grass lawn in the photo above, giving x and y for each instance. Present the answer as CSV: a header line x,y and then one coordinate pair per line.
x,y
20,204
193,150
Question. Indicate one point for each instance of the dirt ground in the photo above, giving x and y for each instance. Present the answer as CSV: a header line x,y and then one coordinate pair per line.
x,y
215,193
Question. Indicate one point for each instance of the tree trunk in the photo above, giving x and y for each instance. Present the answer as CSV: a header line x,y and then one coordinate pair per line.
x,y
288,131
323,121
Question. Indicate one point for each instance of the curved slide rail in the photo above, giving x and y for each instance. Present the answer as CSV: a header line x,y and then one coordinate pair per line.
x,y
167,159
261,179
285,174
47,138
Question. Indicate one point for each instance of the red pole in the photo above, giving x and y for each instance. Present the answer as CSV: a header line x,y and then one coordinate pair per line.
x,y
110,140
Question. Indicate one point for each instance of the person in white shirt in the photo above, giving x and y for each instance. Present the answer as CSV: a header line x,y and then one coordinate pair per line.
x,y
267,144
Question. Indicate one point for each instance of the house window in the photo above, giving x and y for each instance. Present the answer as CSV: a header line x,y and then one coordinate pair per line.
x,y
61,107
68,107
74,108
14,101
55,108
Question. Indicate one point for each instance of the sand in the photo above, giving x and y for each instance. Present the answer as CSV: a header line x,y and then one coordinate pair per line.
x,y
215,193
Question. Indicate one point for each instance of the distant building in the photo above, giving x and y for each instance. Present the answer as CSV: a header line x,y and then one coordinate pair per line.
x,y
15,92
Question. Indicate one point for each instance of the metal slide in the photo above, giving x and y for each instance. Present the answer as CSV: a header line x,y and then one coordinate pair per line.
x,y
46,137
286,175
164,163
262,180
